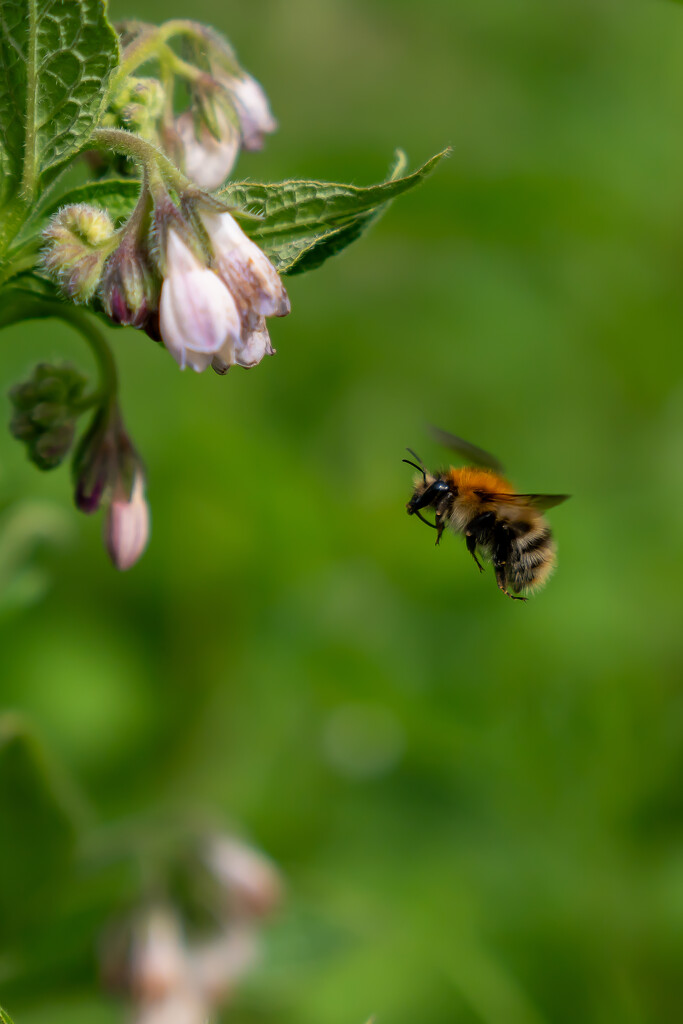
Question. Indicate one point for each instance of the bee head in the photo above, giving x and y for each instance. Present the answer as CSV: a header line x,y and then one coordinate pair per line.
x,y
428,490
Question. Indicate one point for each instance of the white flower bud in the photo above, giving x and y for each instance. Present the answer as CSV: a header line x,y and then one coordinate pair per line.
x,y
250,880
197,313
246,270
206,160
144,958
251,104
126,525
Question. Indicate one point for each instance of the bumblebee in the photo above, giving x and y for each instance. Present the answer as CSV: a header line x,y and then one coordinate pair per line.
x,y
499,524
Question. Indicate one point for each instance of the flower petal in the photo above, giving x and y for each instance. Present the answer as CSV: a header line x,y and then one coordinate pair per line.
x,y
197,313
255,346
126,526
251,104
207,160
245,269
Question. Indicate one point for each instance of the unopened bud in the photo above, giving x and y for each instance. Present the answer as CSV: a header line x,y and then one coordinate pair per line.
x,y
157,955
250,881
129,289
105,463
45,412
253,111
139,106
206,152
126,525
144,957
77,245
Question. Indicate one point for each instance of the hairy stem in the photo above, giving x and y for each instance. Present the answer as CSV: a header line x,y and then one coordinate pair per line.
x,y
118,140
17,308
28,181
148,44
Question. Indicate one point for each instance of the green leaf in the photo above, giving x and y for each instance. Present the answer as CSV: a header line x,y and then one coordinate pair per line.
x,y
56,57
5,1017
305,222
38,830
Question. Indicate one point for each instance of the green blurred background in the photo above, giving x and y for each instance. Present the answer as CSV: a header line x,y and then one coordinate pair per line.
x,y
477,804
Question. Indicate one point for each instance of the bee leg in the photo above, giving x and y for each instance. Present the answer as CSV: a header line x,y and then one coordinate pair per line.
x,y
499,569
471,542
500,556
438,522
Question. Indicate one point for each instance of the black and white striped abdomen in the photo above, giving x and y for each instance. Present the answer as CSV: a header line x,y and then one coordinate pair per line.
x,y
531,557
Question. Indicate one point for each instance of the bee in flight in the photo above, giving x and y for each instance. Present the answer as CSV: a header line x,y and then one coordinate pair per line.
x,y
478,502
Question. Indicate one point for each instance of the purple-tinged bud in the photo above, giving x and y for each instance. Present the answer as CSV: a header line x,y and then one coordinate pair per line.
x,y
78,241
107,469
197,313
130,287
126,525
95,462
253,111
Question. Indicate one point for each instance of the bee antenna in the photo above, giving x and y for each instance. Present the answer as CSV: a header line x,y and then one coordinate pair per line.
x,y
415,456
420,469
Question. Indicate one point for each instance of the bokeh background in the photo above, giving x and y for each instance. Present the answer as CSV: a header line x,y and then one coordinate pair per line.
x,y
476,803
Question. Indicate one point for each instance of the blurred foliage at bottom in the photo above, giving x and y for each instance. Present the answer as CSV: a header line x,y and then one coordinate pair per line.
x,y
476,805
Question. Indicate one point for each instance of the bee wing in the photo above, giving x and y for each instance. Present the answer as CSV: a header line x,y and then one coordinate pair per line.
x,y
466,450
541,501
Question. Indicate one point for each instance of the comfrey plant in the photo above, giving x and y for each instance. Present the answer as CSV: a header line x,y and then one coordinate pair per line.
x,y
152,238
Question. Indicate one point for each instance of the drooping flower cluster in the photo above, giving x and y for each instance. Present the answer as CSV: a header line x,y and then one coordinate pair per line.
x,y
232,114
228,109
185,273
170,977
214,312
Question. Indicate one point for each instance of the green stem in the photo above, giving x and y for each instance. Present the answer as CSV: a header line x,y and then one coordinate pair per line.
x,y
149,43
88,402
17,308
171,61
28,181
118,140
